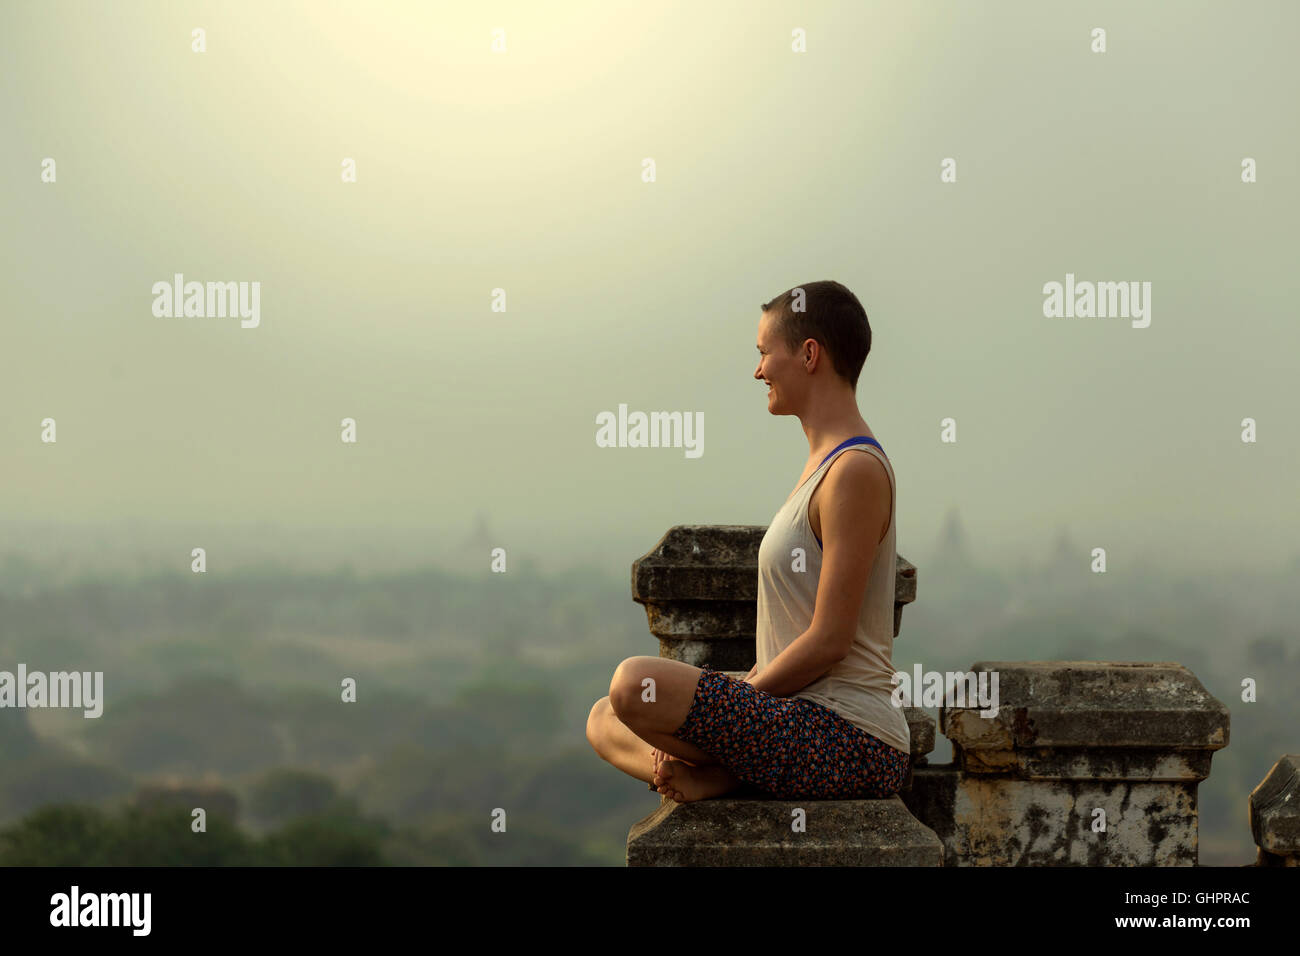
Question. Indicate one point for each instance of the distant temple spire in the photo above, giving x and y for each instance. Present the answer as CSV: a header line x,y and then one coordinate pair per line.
x,y
953,547
479,537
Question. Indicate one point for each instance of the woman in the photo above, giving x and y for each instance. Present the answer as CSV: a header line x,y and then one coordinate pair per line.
x,y
814,717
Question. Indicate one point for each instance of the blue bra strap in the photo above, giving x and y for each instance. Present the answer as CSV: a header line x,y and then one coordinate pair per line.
x,y
859,440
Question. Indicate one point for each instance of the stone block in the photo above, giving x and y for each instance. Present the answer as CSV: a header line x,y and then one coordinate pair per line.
x,y
1090,720
1074,746
760,832
987,820
1275,814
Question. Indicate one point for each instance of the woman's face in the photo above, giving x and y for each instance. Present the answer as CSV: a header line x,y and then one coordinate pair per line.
x,y
777,367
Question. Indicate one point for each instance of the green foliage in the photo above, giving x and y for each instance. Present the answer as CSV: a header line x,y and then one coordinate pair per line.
x,y
216,801
574,787
50,776
199,724
467,839
285,794
506,708
237,675
70,835
412,780
331,839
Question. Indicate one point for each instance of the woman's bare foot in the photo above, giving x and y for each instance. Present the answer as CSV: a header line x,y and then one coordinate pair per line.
x,y
684,783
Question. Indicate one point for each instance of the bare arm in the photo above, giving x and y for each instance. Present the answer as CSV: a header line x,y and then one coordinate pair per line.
x,y
807,658
855,513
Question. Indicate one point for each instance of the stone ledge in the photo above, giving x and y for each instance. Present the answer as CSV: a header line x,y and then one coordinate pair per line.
x,y
757,832
1275,814
1096,720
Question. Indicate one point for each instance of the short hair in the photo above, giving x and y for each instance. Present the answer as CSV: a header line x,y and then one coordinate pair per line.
x,y
833,316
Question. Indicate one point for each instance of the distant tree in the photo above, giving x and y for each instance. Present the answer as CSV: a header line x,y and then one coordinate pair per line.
x,y
1266,651
284,794
529,840
53,777
333,839
57,836
214,800
164,836
443,846
72,835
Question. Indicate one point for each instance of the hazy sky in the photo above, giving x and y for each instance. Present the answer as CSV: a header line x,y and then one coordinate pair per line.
x,y
522,170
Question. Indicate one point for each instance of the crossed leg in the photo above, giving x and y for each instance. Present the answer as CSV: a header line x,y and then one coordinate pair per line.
x,y
649,698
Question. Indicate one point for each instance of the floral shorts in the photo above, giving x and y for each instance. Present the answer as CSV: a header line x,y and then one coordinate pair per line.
x,y
789,747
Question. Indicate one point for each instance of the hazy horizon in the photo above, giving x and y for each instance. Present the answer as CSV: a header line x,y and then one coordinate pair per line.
x,y
522,171
376,295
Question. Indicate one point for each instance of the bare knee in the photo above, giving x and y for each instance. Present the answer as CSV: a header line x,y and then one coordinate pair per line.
x,y
625,688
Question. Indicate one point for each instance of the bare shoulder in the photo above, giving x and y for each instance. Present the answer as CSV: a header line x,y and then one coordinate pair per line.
x,y
856,487
858,472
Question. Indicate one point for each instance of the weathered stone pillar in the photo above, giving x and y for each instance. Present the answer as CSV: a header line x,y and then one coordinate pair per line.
x,y
699,585
1074,746
1275,814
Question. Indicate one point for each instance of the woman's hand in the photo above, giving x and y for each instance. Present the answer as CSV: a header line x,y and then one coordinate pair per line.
x,y
753,672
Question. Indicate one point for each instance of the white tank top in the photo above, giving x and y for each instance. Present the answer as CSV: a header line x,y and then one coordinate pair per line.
x,y
857,688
